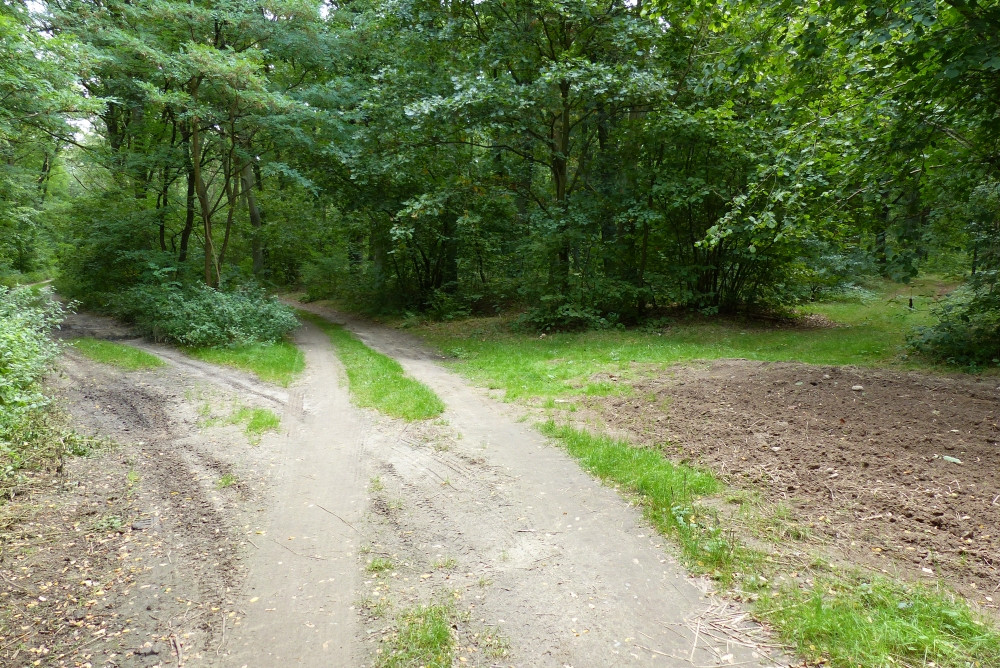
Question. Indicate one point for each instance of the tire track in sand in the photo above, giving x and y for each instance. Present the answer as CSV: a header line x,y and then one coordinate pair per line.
x,y
303,576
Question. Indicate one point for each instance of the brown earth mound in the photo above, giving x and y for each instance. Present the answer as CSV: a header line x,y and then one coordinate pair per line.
x,y
898,470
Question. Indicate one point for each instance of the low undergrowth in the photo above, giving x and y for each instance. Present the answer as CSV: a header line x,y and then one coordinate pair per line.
x,y
32,436
830,617
116,354
377,381
279,362
200,316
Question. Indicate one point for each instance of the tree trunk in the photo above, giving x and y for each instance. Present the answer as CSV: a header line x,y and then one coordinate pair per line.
x,y
256,220
212,277
190,200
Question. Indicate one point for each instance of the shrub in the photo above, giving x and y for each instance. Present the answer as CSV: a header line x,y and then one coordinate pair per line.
x,y
26,352
556,314
201,316
967,332
30,438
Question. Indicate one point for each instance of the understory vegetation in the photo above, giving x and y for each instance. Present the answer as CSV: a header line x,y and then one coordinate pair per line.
x,y
31,436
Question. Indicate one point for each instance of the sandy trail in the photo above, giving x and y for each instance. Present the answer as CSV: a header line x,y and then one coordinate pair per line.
x,y
304,575
576,576
540,564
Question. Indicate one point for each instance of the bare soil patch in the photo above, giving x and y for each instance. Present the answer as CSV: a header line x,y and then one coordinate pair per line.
x,y
894,470
133,556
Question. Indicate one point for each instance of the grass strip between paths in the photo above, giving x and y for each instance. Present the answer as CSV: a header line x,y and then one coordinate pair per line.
x,y
838,619
277,363
378,381
120,355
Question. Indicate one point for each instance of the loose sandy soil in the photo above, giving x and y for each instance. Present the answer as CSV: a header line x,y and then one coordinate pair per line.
x,y
138,556
899,471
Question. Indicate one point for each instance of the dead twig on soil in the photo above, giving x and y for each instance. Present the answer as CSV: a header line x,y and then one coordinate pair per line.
x,y
176,644
697,632
338,517
298,554
15,585
218,650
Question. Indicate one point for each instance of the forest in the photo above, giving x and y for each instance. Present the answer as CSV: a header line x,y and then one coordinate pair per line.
x,y
718,272
587,163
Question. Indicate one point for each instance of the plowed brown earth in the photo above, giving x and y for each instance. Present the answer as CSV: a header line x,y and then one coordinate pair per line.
x,y
900,471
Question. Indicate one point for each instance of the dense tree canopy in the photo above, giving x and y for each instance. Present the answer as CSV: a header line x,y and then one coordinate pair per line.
x,y
590,160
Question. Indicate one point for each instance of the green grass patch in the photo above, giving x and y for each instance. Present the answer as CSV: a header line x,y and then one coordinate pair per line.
x,y
869,331
667,492
255,421
116,354
377,381
423,638
227,480
872,621
277,363
379,565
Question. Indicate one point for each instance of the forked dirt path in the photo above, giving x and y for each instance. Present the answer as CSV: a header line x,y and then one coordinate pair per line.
x,y
484,512
537,563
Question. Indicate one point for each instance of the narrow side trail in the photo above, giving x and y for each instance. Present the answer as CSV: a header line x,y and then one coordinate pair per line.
x,y
489,515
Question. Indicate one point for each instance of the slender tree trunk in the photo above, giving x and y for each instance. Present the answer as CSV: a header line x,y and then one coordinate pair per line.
x,y
212,277
256,219
189,201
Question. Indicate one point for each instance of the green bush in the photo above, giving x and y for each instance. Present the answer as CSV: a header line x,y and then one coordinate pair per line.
x,y
201,316
26,352
967,332
30,438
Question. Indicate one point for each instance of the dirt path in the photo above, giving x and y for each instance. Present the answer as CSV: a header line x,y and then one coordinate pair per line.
x,y
537,564
495,518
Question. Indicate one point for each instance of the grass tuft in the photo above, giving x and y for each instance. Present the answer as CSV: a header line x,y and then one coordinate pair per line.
x,y
116,354
423,638
379,565
277,363
668,493
256,421
873,621
378,381
227,480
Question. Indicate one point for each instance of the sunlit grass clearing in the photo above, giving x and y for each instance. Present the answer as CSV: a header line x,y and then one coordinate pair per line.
x,y
524,365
